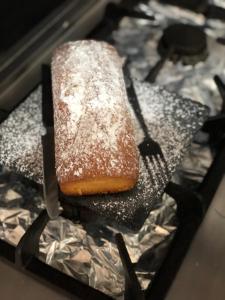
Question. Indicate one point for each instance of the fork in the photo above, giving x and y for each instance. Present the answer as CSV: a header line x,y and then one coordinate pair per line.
x,y
150,150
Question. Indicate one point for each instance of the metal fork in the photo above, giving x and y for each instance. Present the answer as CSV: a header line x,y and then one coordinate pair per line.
x,y
150,150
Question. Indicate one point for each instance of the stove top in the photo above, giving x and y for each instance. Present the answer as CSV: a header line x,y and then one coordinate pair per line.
x,y
90,260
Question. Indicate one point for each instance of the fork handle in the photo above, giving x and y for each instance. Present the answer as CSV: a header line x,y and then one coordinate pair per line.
x,y
153,73
133,99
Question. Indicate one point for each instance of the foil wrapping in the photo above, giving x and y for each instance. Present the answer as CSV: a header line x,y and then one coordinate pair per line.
x,y
87,251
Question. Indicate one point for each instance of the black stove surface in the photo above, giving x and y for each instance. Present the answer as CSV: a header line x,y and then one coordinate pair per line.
x,y
19,17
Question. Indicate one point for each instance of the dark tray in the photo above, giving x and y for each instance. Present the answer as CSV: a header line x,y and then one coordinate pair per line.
x,y
171,121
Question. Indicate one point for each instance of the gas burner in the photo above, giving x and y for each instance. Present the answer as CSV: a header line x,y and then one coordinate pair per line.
x,y
184,42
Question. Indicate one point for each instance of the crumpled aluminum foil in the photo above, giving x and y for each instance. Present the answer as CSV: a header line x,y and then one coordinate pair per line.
x,y
194,166
165,12
218,2
138,39
87,251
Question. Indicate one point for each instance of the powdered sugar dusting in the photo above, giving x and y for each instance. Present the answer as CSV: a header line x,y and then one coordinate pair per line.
x,y
93,131
171,121
20,138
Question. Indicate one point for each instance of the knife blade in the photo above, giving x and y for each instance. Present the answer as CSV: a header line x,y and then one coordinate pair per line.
x,y
50,185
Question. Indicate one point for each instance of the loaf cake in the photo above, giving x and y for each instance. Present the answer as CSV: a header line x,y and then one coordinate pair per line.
x,y
95,147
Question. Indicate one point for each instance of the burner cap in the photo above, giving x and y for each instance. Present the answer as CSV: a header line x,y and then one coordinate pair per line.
x,y
187,41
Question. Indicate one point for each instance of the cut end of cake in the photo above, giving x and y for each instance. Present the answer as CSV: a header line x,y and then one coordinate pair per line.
x,y
102,185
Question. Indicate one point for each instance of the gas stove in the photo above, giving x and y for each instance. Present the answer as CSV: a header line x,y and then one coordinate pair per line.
x,y
179,46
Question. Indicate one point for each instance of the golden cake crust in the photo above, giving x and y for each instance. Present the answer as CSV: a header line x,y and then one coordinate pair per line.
x,y
94,137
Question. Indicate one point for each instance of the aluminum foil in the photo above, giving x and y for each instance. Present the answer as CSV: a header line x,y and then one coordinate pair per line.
x,y
138,39
194,166
165,12
220,3
87,251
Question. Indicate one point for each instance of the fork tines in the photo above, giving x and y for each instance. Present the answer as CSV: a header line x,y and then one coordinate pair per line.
x,y
150,150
